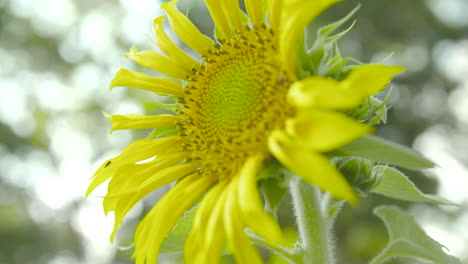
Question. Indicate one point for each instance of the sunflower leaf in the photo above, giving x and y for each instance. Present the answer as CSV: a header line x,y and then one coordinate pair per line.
x,y
407,239
393,183
381,150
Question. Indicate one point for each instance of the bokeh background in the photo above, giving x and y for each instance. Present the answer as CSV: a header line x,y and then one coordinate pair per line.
x,y
57,58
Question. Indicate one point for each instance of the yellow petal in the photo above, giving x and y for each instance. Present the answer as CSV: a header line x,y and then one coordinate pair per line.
x,y
215,235
121,184
138,80
160,178
137,151
124,189
220,20
244,251
185,29
154,227
233,13
372,78
296,16
251,204
255,11
312,167
325,130
321,92
197,234
274,13
206,240
168,46
136,121
158,62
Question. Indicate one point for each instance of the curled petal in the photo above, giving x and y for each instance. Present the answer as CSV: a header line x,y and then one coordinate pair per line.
x,y
168,46
139,80
185,29
250,203
158,62
137,151
154,227
321,92
324,131
312,167
136,121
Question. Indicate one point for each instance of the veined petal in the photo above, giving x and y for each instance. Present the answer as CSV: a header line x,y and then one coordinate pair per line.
x,y
233,13
161,219
274,13
136,121
321,92
158,62
171,173
312,167
160,178
325,130
215,235
296,16
255,11
244,251
206,239
220,20
122,189
137,151
168,46
121,184
185,29
251,205
139,80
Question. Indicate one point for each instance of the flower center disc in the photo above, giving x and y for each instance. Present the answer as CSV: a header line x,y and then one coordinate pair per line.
x,y
234,100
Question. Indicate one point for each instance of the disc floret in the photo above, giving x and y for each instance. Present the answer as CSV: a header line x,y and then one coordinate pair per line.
x,y
233,100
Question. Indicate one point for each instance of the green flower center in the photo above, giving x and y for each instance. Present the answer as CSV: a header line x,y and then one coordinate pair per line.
x,y
233,97
234,100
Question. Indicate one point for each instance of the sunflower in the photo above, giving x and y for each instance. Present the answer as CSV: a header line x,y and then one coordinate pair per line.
x,y
241,105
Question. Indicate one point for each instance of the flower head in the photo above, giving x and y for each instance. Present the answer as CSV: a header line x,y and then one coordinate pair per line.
x,y
241,105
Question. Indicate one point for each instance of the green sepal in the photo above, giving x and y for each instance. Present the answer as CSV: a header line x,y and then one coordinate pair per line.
x,y
393,183
384,151
273,184
217,33
290,255
330,207
358,173
162,131
333,64
210,42
245,18
273,189
175,240
372,111
324,55
407,239
305,67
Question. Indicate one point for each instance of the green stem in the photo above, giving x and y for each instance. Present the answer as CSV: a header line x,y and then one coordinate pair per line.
x,y
312,224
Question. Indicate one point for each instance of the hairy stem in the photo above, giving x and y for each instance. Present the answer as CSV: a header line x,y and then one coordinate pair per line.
x,y
314,230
